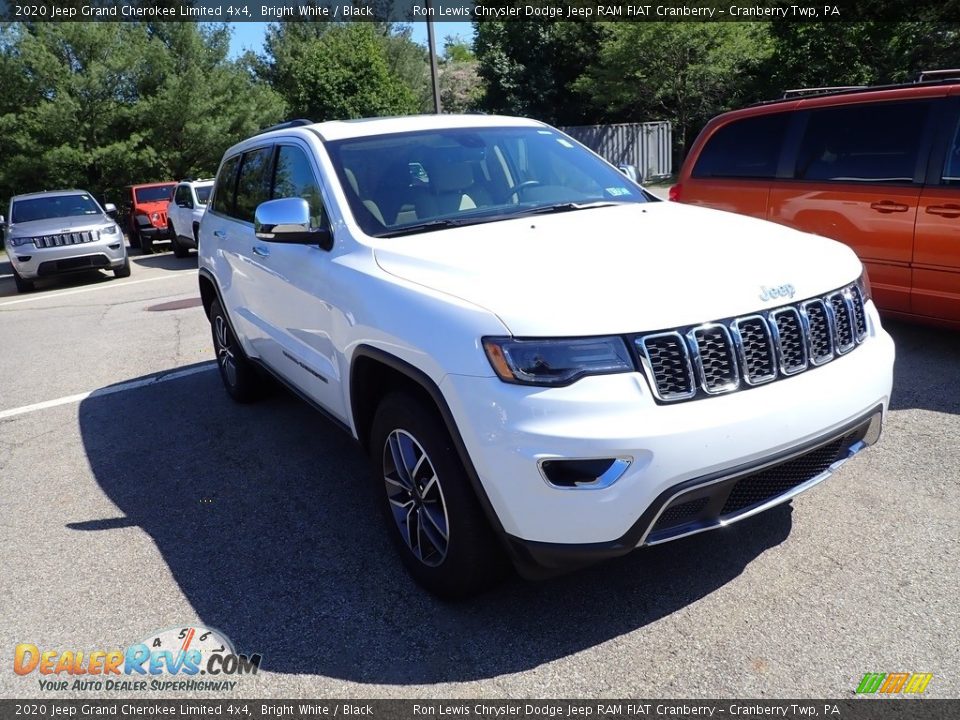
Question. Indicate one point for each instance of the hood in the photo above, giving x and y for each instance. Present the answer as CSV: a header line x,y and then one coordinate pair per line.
x,y
151,207
53,226
621,269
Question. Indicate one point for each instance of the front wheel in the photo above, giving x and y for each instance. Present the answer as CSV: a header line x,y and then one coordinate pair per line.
x,y
178,249
239,376
23,285
431,510
124,270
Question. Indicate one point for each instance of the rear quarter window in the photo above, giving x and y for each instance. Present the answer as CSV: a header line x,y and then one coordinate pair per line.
x,y
747,148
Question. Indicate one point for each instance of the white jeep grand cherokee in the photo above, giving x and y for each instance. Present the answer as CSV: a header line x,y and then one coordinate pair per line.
x,y
544,362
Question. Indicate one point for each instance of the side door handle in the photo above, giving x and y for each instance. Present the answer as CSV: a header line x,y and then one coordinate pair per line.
x,y
950,211
888,206
219,233
261,251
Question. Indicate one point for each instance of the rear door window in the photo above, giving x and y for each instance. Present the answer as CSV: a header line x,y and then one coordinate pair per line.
x,y
223,194
748,148
870,142
253,183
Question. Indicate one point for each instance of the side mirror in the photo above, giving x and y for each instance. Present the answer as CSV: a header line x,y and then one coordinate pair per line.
x,y
3,220
630,171
110,209
287,220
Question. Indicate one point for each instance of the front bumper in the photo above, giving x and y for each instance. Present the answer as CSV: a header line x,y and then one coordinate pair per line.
x,y
713,501
154,233
32,262
509,430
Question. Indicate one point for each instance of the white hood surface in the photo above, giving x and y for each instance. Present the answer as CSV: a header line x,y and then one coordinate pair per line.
x,y
620,269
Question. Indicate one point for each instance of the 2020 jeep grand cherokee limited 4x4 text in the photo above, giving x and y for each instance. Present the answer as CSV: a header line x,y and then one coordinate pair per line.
x,y
544,362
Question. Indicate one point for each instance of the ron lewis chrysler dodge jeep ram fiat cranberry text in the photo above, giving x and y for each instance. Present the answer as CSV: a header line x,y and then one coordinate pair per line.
x,y
544,362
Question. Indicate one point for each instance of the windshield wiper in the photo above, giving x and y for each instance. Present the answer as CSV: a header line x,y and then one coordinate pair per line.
x,y
439,224
571,206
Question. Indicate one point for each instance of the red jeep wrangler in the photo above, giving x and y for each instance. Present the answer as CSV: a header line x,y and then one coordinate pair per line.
x,y
147,213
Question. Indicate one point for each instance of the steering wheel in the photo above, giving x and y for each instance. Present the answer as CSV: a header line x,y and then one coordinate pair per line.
x,y
520,188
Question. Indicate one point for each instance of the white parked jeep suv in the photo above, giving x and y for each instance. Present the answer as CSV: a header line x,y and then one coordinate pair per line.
x,y
184,212
51,233
543,361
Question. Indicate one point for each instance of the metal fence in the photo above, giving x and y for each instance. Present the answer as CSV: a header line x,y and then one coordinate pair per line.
x,y
647,146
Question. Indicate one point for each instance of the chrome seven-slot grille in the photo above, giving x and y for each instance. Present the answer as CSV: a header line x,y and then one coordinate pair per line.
x,y
70,238
738,353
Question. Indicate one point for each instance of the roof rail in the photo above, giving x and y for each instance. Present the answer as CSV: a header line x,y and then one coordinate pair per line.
x,y
285,125
802,92
938,74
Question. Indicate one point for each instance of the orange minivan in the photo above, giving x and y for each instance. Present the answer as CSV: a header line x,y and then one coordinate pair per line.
x,y
876,168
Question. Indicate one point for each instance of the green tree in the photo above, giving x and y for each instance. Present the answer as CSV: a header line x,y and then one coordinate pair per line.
x,y
103,105
860,53
335,72
529,68
461,88
682,72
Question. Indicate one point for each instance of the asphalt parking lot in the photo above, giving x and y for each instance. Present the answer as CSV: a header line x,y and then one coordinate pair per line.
x,y
135,496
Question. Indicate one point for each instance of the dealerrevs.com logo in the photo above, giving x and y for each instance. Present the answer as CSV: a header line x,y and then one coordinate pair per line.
x,y
894,683
173,659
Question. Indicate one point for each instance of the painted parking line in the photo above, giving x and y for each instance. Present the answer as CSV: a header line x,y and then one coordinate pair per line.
x,y
100,392
104,286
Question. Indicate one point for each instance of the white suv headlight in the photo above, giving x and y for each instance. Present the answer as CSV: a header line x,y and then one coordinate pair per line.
x,y
556,362
863,282
19,241
110,229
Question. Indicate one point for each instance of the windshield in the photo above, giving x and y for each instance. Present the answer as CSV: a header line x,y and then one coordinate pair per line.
x,y
154,194
53,206
203,193
441,178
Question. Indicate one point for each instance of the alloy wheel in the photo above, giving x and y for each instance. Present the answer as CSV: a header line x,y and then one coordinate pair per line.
x,y
225,356
416,498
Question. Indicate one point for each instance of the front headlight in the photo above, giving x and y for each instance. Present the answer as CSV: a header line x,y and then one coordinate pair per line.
x,y
19,241
155,216
863,282
111,229
556,362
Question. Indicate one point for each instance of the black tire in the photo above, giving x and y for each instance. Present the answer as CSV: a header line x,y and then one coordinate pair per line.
x,y
145,243
178,249
239,376
471,559
23,285
135,239
124,270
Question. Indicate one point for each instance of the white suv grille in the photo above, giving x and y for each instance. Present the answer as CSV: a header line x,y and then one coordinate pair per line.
x,y
738,353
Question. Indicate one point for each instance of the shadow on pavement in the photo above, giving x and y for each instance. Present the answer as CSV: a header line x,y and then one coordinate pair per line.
x,y
164,261
927,372
265,516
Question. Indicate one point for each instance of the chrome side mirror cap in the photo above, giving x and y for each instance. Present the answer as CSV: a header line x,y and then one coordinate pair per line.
x,y
287,220
110,209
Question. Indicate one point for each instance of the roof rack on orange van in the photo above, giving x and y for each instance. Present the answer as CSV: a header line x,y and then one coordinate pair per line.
x,y
803,92
938,75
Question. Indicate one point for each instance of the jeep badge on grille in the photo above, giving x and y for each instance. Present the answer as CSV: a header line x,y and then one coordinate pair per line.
x,y
781,291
